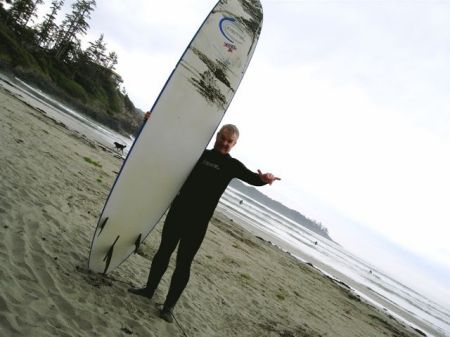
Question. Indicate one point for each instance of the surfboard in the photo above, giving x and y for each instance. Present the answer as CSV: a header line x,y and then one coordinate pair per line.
x,y
184,118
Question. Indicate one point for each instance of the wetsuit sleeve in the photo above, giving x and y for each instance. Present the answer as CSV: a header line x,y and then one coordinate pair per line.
x,y
243,173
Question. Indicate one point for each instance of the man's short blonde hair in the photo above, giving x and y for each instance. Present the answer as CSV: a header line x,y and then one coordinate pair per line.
x,y
230,128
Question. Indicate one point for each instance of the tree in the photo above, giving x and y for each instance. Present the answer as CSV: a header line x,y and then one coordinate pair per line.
x,y
22,11
48,28
73,25
97,54
16,11
111,61
97,51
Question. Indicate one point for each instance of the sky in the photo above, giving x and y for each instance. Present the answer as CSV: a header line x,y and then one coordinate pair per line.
x,y
346,100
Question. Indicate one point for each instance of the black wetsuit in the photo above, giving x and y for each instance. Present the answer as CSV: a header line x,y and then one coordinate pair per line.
x,y
189,215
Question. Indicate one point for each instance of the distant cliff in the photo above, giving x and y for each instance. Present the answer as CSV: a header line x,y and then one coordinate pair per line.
x,y
294,215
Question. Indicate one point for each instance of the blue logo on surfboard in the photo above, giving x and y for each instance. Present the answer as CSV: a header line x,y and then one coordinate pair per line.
x,y
229,27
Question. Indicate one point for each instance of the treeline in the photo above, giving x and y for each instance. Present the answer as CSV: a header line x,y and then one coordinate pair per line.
x,y
292,214
50,56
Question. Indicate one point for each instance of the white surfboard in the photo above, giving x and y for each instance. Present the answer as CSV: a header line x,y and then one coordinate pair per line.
x,y
183,121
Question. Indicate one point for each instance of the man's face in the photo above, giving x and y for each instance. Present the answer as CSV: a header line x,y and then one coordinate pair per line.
x,y
225,140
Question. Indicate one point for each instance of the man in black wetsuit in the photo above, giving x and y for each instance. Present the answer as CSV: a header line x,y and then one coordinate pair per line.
x,y
188,218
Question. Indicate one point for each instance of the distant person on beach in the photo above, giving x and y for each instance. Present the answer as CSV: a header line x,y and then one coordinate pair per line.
x,y
188,218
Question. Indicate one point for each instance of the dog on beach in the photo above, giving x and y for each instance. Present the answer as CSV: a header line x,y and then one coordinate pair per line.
x,y
119,146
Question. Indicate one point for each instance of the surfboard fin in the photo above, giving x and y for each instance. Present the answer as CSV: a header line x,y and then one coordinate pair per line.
x,y
102,225
137,243
109,254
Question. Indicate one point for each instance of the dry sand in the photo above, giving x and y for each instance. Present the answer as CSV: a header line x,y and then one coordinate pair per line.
x,y
53,184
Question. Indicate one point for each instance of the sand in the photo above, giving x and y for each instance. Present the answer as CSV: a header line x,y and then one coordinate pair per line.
x,y
53,184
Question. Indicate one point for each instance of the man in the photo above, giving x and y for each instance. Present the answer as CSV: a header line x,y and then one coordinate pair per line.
x,y
188,218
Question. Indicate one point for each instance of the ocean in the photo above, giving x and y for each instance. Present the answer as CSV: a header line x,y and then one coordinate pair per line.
x,y
329,257
332,259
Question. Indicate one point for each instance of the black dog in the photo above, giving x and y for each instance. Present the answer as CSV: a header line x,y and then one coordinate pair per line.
x,y
119,146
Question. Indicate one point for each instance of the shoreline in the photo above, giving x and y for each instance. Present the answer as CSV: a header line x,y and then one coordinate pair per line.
x,y
240,284
48,105
365,293
361,291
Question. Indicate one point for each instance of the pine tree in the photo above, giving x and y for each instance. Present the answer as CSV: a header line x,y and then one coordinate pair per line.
x,y
97,54
73,25
48,28
22,11
111,60
97,51
16,11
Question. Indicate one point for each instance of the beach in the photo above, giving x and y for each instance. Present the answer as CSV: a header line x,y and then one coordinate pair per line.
x,y
54,182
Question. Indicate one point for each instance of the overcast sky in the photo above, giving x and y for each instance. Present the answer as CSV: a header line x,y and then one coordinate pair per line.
x,y
348,101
